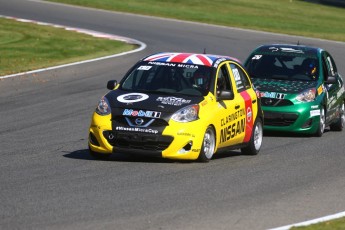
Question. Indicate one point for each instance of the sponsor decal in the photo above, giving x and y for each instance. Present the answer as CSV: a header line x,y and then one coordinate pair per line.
x,y
187,66
144,67
249,114
204,103
232,130
173,101
235,124
256,57
184,134
288,50
314,106
319,90
132,97
249,122
273,95
135,129
232,117
218,62
141,113
162,63
314,113
236,74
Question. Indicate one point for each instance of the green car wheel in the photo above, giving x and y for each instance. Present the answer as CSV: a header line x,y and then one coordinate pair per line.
x,y
322,123
339,124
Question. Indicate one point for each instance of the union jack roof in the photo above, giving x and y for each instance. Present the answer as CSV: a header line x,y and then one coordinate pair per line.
x,y
187,58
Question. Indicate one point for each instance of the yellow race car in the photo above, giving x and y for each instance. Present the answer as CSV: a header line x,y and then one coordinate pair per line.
x,y
179,106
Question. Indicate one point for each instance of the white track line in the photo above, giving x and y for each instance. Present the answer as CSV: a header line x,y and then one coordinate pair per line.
x,y
78,30
314,221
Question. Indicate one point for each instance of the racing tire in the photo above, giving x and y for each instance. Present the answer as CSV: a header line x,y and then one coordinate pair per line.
x,y
98,156
255,143
322,123
208,145
339,124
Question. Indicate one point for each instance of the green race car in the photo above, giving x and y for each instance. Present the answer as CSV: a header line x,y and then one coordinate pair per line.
x,y
300,88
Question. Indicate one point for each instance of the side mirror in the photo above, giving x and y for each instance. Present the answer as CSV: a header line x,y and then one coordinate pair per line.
x,y
331,80
225,95
111,84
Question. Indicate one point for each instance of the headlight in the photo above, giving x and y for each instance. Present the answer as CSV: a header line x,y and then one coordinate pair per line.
x,y
307,95
186,114
103,107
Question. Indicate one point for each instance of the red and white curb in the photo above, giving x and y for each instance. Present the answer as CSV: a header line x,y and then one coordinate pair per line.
x,y
97,34
310,222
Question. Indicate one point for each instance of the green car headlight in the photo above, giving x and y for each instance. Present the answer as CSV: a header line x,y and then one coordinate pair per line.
x,y
186,114
307,95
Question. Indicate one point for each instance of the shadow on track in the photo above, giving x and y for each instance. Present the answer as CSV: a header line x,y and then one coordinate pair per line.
x,y
287,134
84,154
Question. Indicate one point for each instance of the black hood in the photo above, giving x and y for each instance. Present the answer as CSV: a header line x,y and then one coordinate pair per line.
x,y
124,103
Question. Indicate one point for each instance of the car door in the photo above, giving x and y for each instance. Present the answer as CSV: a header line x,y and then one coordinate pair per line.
x,y
330,69
246,91
231,112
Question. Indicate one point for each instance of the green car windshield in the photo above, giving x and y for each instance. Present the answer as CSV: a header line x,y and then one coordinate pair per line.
x,y
283,66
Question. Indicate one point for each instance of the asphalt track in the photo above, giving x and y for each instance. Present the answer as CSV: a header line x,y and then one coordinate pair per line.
x,y
48,180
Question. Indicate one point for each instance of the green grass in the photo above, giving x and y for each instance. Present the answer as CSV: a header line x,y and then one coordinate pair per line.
x,y
294,17
337,224
26,46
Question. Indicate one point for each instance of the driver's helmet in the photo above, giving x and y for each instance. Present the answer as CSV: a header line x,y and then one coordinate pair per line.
x,y
309,67
200,78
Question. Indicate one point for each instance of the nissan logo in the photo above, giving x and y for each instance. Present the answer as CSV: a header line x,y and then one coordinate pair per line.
x,y
268,101
139,121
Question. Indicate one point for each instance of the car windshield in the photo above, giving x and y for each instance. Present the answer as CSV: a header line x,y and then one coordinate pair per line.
x,y
169,78
283,66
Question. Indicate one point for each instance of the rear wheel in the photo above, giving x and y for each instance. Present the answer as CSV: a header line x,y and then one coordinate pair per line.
x,y
255,142
98,156
339,124
322,123
208,145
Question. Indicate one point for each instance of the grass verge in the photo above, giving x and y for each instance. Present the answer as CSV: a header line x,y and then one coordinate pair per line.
x,y
294,17
26,46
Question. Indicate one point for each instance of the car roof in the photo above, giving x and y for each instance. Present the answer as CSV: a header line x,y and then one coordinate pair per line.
x,y
189,58
287,48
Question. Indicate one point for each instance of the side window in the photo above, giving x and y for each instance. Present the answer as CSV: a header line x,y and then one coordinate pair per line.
x,y
223,79
328,64
241,79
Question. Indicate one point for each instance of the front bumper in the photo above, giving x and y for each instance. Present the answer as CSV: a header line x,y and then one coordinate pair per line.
x,y
177,141
302,118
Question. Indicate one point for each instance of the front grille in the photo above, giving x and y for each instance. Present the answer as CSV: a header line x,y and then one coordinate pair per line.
x,y
138,141
279,119
275,102
121,120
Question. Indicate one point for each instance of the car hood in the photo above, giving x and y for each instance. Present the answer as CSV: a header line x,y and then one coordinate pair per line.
x,y
282,86
124,103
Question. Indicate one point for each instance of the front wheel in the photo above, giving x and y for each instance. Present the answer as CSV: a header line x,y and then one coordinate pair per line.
x,y
339,124
255,142
208,145
322,123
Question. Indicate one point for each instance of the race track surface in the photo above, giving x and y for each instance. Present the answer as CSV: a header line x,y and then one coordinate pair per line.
x,y
49,181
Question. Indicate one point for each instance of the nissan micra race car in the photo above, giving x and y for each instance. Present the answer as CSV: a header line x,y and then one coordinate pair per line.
x,y
179,106
300,88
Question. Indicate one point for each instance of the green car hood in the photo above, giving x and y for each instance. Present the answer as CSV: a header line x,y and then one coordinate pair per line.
x,y
282,86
